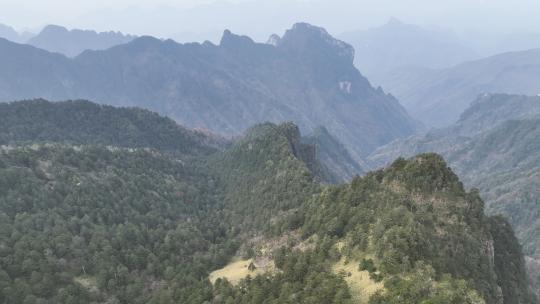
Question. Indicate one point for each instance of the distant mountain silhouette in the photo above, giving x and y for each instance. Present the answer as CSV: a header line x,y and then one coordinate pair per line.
x,y
396,44
489,44
8,33
437,97
307,77
71,43
486,113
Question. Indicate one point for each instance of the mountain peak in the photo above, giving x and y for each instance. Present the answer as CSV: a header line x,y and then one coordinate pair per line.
x,y
304,26
145,42
9,33
304,37
427,173
232,40
52,28
274,40
73,42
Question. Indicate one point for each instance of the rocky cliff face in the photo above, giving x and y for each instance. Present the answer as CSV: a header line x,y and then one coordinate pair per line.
x,y
338,164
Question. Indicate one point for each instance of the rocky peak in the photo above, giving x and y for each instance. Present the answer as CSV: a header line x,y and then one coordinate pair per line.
x,y
52,29
274,40
229,40
306,38
8,33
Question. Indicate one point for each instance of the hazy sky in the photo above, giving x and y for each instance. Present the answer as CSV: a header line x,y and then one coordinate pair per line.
x,y
259,18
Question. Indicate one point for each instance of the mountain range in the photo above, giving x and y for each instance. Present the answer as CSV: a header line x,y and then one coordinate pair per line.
x,y
9,33
88,221
381,50
435,73
58,39
428,69
438,96
306,76
493,43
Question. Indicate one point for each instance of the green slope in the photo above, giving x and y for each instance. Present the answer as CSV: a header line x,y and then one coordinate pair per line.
x,y
85,222
426,237
495,148
84,122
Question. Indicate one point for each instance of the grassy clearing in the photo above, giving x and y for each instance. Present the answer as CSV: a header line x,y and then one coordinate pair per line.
x,y
239,269
361,286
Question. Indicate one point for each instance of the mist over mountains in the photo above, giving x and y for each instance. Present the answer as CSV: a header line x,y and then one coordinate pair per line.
x,y
307,77
438,96
9,33
436,73
58,39
382,50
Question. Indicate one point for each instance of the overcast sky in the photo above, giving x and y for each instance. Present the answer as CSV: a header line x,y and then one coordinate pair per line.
x,y
259,18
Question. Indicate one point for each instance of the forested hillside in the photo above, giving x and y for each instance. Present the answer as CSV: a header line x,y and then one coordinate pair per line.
x,y
87,123
89,224
486,113
495,148
414,233
84,221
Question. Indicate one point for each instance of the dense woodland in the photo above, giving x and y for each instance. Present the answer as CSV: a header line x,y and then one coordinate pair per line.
x,y
429,237
89,224
85,222
84,122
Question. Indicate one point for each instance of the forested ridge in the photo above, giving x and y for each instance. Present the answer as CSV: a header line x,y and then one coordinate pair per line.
x,y
493,147
84,122
84,221
413,227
